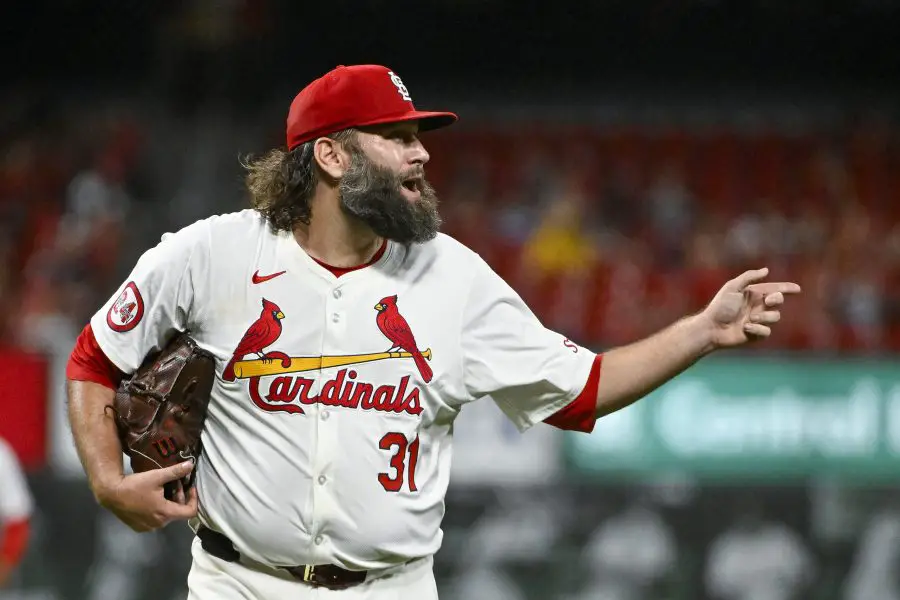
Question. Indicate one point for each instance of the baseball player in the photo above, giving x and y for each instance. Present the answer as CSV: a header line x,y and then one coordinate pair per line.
x,y
16,506
348,335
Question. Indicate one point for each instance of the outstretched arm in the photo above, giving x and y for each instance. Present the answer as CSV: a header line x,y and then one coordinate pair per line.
x,y
743,310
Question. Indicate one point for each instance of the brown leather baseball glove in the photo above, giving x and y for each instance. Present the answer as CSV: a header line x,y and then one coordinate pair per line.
x,y
161,408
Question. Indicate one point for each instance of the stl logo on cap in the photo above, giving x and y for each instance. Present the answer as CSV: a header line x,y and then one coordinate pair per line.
x,y
395,79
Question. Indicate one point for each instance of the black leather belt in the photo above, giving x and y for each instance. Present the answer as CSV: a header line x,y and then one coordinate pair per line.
x,y
331,577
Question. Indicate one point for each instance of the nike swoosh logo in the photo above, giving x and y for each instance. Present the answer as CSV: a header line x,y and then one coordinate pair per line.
x,y
257,278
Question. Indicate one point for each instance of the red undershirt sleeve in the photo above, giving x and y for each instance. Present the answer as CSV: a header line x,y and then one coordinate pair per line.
x,y
88,362
581,413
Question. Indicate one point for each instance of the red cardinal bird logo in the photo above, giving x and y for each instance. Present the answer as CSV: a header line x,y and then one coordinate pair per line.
x,y
262,333
396,329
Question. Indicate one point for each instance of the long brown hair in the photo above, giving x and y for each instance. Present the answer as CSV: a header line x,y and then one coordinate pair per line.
x,y
282,182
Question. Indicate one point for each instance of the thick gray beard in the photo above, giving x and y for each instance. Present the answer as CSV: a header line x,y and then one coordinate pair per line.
x,y
371,193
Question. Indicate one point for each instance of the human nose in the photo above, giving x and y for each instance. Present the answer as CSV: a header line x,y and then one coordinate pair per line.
x,y
419,155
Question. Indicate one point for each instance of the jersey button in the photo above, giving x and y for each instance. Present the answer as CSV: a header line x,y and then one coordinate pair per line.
x,y
322,479
324,415
335,317
336,293
319,540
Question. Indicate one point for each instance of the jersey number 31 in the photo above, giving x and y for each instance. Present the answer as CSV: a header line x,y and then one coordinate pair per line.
x,y
398,445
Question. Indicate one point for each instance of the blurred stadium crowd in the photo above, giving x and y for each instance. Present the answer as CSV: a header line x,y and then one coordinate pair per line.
x,y
614,233
609,233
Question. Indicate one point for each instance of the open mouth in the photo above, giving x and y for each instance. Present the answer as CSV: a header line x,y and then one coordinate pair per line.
x,y
413,184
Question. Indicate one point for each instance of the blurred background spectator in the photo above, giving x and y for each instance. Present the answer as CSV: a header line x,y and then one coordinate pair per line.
x,y
874,570
16,505
757,558
633,554
616,162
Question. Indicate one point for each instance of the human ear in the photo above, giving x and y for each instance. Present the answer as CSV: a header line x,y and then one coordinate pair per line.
x,y
331,157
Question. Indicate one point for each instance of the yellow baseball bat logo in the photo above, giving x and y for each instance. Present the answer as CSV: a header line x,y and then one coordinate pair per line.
x,y
261,368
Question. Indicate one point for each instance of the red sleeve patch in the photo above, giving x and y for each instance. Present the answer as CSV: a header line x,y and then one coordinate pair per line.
x,y
127,311
581,413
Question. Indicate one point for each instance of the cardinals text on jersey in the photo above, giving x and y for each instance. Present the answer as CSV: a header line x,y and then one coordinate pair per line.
x,y
127,311
288,393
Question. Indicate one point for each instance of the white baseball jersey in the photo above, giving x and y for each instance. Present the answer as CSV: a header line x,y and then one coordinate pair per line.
x,y
329,427
16,503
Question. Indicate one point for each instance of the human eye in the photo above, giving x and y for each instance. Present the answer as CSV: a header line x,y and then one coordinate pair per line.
x,y
402,135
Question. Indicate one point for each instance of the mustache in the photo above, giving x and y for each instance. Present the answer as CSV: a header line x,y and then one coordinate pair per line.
x,y
413,173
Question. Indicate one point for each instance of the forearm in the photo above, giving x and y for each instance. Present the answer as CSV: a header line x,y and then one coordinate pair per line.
x,y
631,372
94,431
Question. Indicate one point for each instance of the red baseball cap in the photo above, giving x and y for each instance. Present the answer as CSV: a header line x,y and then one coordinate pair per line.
x,y
355,96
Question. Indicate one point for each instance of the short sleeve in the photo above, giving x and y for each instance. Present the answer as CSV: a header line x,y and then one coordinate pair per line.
x,y
158,299
531,372
15,499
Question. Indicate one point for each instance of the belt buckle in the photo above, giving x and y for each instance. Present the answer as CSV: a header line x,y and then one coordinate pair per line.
x,y
312,577
309,573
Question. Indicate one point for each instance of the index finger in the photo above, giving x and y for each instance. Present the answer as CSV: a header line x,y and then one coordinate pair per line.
x,y
773,287
173,473
746,278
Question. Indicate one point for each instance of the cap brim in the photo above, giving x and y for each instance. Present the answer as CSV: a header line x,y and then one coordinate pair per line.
x,y
435,120
428,121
